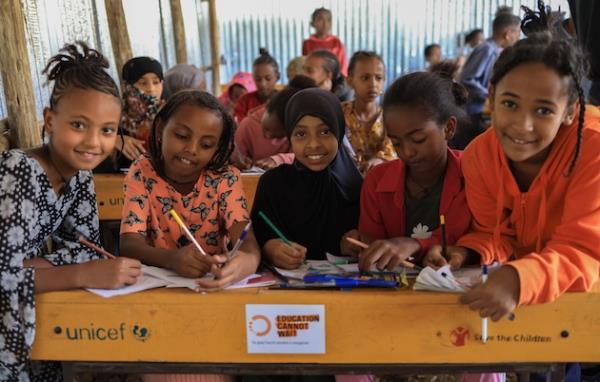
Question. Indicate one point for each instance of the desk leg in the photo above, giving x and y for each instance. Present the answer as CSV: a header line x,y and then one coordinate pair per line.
x,y
557,374
68,373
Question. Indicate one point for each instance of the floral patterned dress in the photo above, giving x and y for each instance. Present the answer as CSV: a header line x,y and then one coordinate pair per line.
x,y
216,202
31,213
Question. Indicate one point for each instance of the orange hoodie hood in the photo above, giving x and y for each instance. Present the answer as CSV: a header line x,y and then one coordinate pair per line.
x,y
551,233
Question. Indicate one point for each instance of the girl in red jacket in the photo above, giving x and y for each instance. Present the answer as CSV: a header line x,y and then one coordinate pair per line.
x,y
401,201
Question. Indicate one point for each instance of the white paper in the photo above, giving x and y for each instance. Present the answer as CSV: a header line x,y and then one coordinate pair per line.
x,y
253,171
144,282
285,329
458,281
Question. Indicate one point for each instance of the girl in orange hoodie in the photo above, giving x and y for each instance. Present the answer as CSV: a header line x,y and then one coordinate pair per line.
x,y
532,180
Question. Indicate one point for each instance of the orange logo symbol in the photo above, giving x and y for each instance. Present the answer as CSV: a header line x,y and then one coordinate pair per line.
x,y
459,336
260,325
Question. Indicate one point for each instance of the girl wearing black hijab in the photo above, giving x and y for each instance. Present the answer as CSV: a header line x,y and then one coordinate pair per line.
x,y
315,200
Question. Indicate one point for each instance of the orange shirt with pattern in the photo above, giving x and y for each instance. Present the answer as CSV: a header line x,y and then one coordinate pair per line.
x,y
368,143
216,202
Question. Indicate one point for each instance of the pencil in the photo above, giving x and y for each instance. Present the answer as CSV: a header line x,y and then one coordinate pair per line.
x,y
358,243
484,328
444,244
240,240
186,230
274,228
93,246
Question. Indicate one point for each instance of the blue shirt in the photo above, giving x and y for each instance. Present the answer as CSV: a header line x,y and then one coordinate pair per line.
x,y
476,74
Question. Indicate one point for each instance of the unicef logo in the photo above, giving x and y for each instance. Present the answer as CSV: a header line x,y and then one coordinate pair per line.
x,y
140,333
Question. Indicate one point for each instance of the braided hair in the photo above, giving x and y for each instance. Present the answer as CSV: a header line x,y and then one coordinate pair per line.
x,y
195,98
546,44
78,66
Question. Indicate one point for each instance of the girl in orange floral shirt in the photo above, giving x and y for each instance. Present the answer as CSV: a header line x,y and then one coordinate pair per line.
x,y
185,170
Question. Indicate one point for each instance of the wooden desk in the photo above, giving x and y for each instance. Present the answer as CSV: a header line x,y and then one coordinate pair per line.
x,y
366,330
109,193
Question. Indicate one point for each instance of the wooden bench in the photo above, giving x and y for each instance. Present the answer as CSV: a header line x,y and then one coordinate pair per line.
x,y
366,331
109,193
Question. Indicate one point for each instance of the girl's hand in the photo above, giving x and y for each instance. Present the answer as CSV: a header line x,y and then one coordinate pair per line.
x,y
132,148
243,163
109,273
387,254
189,262
498,296
366,166
37,263
456,257
226,272
284,256
347,248
266,163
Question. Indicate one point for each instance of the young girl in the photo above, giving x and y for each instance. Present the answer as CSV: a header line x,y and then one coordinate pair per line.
x,y
315,197
185,170
265,71
240,84
261,139
364,125
532,180
401,200
324,67
324,40
48,192
143,79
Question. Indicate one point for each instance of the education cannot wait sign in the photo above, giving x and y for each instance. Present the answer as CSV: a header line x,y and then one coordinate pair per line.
x,y
285,329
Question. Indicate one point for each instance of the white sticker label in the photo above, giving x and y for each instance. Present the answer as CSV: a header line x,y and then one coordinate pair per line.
x,y
285,329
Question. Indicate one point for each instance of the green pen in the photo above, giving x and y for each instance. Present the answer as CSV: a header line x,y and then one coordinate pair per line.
x,y
275,229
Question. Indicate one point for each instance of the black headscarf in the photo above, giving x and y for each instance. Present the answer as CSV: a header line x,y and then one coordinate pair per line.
x,y
137,67
311,208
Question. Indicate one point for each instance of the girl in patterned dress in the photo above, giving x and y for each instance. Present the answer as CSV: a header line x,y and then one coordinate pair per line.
x,y
47,193
186,170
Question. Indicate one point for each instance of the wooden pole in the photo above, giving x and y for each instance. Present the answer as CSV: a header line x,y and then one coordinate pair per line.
x,y
215,51
119,36
16,76
179,32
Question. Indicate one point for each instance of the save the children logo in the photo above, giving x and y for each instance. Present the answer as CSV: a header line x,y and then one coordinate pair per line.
x,y
260,325
459,336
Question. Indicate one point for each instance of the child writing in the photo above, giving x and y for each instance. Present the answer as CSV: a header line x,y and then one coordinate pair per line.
x,y
265,71
364,125
315,200
324,67
260,138
532,180
322,39
48,192
186,170
401,201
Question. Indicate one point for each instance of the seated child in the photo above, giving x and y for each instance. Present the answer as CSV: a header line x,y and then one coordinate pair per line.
x,y
48,193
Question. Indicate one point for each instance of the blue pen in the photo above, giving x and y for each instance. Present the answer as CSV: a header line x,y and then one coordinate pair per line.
x,y
240,240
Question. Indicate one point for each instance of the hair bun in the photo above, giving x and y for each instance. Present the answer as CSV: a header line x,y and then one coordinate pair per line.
x,y
72,56
460,94
264,52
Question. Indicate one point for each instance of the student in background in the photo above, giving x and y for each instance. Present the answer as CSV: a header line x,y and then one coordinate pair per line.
x,y
315,197
48,192
265,72
433,54
323,67
261,138
473,39
183,76
477,71
526,179
240,84
364,122
295,67
322,39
